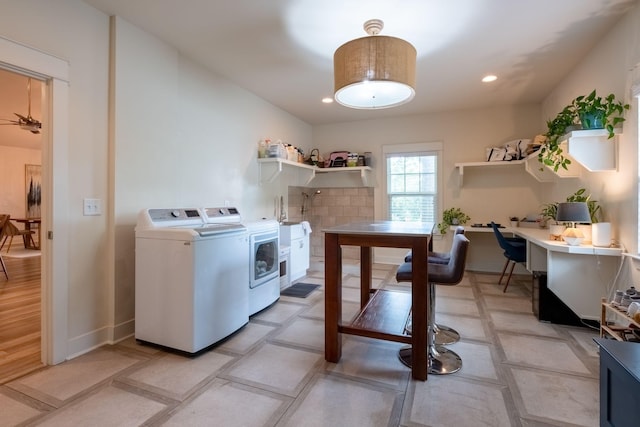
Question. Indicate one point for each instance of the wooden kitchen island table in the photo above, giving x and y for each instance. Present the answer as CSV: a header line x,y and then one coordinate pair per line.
x,y
383,313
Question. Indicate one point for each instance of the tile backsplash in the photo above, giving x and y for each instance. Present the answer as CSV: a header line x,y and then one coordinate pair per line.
x,y
326,207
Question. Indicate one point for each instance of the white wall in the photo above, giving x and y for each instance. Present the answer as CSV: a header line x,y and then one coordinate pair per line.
x,y
486,195
183,137
12,162
611,67
79,34
607,69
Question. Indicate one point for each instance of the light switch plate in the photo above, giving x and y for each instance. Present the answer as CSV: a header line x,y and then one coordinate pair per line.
x,y
92,207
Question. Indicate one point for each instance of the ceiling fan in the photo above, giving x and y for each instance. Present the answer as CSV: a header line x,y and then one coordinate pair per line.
x,y
26,122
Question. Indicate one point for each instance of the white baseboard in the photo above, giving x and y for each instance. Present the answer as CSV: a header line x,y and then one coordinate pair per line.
x,y
107,335
82,344
123,330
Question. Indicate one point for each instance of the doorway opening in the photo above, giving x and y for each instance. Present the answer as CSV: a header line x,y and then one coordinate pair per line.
x,y
53,73
21,236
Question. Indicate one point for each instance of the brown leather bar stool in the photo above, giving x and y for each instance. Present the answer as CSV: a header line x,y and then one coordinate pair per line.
x,y
444,334
440,359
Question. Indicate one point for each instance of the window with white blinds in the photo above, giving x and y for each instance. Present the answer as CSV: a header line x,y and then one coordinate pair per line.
x,y
412,183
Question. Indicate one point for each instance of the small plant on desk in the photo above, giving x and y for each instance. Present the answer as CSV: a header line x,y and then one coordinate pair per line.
x,y
452,216
548,212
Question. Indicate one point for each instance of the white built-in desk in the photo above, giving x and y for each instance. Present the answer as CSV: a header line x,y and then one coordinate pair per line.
x,y
579,275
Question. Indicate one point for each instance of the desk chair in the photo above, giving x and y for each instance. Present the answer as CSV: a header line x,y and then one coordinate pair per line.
x,y
9,231
515,250
440,359
444,334
3,220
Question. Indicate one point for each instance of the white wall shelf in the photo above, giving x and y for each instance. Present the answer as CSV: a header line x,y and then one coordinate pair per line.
x,y
531,165
273,168
544,173
593,149
461,166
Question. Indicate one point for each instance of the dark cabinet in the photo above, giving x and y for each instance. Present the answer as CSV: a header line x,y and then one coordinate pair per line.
x,y
547,307
619,383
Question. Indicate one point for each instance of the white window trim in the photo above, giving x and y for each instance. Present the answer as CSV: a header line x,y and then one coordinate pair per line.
x,y
416,147
635,94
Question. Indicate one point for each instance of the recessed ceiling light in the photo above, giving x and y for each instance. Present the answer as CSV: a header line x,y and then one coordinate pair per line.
x,y
489,78
327,100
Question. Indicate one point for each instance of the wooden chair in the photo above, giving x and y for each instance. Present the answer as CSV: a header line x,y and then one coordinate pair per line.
x,y
3,220
9,231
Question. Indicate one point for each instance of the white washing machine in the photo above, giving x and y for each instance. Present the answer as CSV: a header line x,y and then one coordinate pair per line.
x,y
191,276
264,264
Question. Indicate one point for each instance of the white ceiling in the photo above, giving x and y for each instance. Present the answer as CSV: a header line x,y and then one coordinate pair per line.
x,y
282,50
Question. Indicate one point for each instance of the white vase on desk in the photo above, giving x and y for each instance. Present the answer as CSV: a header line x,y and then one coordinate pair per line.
x,y
601,234
555,231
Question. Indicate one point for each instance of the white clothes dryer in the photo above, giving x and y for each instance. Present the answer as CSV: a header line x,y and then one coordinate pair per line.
x,y
264,264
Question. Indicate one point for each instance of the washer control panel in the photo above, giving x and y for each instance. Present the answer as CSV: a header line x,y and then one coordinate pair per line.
x,y
160,215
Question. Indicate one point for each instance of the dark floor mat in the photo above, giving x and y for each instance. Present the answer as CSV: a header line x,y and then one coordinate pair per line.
x,y
299,290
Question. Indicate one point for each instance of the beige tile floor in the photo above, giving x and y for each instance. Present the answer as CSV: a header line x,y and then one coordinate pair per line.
x,y
516,372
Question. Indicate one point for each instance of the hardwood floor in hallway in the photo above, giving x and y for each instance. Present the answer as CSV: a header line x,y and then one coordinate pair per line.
x,y
20,324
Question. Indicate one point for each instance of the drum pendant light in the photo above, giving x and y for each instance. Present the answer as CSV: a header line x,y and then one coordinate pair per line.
x,y
374,72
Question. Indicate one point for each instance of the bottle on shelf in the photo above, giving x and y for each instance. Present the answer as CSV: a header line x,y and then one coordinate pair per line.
x,y
263,146
292,154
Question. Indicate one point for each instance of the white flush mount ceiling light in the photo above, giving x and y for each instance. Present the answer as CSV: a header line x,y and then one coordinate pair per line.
x,y
374,72
489,78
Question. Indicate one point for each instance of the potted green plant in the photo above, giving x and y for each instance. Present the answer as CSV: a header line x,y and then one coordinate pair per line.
x,y
594,212
587,111
549,211
593,205
596,112
452,216
548,214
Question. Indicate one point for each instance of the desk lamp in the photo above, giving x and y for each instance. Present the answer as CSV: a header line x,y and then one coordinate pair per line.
x,y
573,212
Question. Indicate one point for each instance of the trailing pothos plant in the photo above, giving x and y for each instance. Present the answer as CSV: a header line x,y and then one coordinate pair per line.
x,y
452,216
585,111
551,154
596,112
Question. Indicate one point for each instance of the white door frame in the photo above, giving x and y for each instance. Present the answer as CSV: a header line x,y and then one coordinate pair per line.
x,y
55,141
